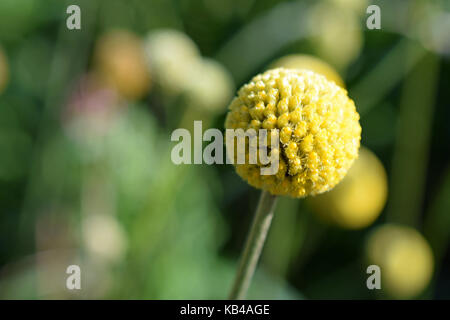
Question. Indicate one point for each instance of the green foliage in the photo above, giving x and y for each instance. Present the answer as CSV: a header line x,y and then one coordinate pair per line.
x,y
70,150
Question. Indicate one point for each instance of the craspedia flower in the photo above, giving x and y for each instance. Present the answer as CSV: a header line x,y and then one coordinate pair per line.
x,y
120,61
358,200
304,61
319,131
4,71
405,259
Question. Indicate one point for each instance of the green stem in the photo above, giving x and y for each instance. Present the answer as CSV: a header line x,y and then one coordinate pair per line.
x,y
253,247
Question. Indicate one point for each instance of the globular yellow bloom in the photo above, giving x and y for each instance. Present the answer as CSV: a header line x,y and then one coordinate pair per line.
x,y
304,61
358,200
319,131
4,71
404,257
120,61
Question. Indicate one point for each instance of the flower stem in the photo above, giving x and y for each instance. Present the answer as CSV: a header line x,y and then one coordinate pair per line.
x,y
253,247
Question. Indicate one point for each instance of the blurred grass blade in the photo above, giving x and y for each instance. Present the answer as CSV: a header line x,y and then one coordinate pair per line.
x,y
385,75
410,157
256,43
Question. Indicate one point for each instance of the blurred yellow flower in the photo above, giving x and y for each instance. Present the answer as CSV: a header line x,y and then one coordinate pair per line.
x,y
318,125
4,70
89,113
357,201
171,56
337,32
120,61
304,61
210,87
405,259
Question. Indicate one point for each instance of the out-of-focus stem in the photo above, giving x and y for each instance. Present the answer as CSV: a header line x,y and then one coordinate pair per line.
x,y
253,247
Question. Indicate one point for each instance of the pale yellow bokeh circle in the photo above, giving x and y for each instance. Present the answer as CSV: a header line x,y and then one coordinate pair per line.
x,y
211,86
317,131
404,257
336,32
359,198
172,57
121,63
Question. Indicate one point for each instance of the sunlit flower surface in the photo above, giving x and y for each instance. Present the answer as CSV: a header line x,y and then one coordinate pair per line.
x,y
318,127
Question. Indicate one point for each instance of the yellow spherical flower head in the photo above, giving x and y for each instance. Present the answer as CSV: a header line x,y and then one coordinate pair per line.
x,y
358,200
404,257
317,125
304,61
120,61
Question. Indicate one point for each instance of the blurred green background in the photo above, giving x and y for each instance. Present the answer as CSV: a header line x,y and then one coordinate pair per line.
x,y
86,116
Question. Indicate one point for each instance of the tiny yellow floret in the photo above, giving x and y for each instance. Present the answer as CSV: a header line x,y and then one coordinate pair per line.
x,y
318,125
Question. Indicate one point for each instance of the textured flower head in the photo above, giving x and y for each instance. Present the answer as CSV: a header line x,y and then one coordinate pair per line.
x,y
405,258
358,200
319,131
104,237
